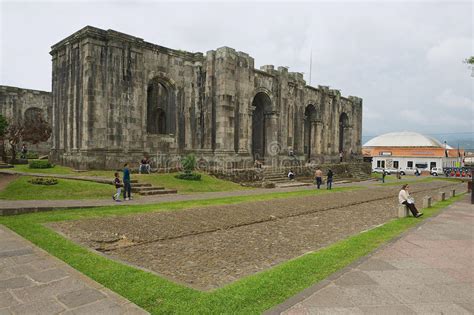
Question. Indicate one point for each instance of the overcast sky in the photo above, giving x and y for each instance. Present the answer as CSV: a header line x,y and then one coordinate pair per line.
x,y
404,60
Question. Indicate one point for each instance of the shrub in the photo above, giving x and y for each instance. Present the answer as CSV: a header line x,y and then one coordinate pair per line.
x,y
40,164
189,163
188,176
43,181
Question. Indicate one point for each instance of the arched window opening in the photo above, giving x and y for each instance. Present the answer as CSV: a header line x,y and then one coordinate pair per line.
x,y
157,108
343,136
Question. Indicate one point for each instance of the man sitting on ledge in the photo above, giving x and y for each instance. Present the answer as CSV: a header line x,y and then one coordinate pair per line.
x,y
405,199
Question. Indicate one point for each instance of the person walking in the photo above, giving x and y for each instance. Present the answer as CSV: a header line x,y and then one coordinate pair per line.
x,y
118,186
127,188
383,176
405,199
319,177
329,179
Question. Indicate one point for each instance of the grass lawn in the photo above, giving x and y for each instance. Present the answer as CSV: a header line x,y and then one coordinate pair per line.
x,y
250,295
206,184
21,189
58,169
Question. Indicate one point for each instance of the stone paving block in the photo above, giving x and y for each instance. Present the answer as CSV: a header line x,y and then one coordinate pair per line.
x,y
47,306
411,294
408,263
15,283
370,295
42,264
24,259
48,275
48,290
330,296
389,277
296,310
7,245
375,264
21,270
428,276
387,310
442,308
354,278
334,311
100,307
455,292
16,252
7,300
81,297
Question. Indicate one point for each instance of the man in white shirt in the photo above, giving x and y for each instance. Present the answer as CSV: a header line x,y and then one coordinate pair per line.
x,y
405,199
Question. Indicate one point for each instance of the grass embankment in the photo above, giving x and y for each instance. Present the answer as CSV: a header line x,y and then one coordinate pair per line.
x,y
21,189
250,295
391,180
206,184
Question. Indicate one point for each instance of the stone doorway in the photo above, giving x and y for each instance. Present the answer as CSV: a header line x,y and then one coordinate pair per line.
x,y
343,132
261,106
309,120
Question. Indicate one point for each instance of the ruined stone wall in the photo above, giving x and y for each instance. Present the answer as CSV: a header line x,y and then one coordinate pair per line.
x,y
110,88
14,102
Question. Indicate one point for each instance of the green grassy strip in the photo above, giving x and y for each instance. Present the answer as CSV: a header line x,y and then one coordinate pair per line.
x,y
250,295
21,189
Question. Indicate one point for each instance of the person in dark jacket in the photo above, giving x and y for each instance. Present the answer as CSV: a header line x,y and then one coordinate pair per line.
x,y
127,188
329,179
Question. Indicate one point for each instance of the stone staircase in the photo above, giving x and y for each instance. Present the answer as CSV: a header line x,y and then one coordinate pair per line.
x,y
5,165
145,189
280,178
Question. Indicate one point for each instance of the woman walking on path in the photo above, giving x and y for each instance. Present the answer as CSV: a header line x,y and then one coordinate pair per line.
x,y
405,199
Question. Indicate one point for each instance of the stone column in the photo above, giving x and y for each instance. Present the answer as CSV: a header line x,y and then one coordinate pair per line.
x,y
272,147
319,130
313,135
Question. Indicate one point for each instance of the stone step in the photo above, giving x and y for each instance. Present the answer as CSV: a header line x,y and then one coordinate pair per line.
x,y
293,184
141,185
157,192
140,189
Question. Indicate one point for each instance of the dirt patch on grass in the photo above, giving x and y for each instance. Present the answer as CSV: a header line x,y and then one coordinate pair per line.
x,y
209,247
6,179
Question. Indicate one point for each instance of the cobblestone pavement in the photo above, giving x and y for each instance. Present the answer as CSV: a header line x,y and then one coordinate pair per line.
x,y
34,282
429,270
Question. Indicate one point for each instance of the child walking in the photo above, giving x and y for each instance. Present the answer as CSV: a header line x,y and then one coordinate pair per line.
x,y
118,186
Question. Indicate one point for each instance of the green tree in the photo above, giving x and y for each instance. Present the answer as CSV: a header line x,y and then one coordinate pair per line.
x,y
470,62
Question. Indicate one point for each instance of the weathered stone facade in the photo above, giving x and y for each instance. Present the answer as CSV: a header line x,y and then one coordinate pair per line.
x,y
17,103
117,97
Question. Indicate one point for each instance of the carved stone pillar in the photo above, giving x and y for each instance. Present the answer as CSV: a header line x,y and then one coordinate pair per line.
x,y
318,137
273,147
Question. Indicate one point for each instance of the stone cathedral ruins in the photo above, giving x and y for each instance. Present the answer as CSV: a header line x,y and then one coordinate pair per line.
x,y
116,98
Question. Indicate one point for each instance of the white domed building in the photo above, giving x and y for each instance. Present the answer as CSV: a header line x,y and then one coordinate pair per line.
x,y
410,150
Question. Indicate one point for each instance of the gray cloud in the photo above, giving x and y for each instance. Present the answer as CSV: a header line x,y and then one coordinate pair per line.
x,y
404,60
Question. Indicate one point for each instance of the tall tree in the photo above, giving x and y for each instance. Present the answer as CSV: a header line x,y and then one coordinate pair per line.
x,y
470,62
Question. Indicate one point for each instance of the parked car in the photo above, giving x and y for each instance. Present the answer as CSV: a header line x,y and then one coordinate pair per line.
x,y
380,170
437,171
409,171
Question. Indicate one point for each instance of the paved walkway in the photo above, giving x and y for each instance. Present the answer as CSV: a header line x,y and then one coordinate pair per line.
x,y
429,270
34,282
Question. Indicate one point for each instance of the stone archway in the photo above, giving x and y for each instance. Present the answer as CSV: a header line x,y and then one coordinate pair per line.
x,y
261,106
344,131
310,116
